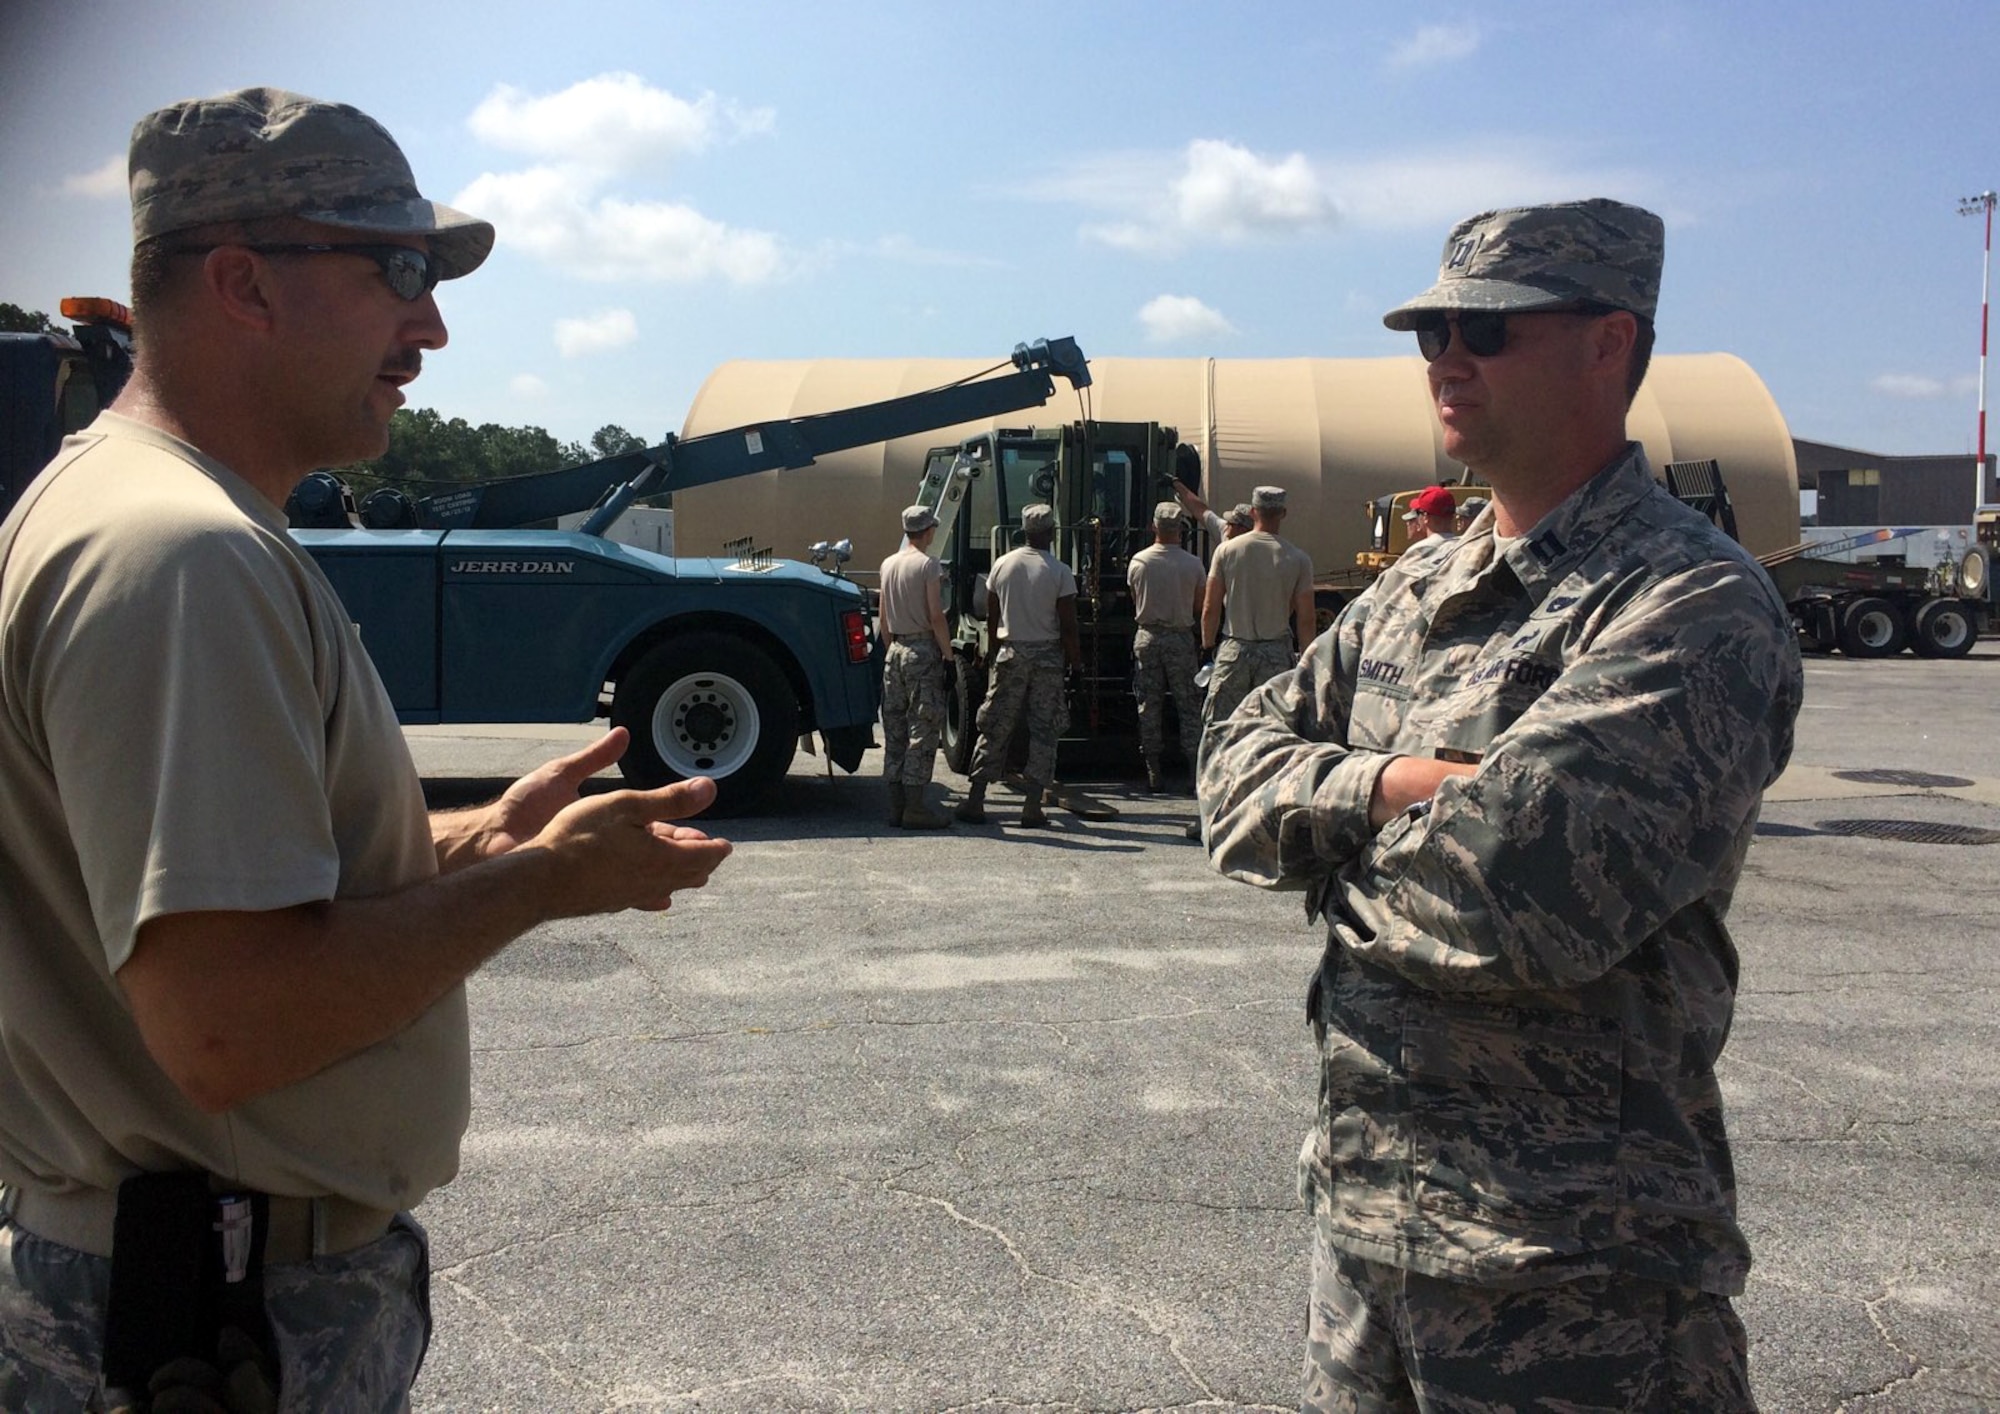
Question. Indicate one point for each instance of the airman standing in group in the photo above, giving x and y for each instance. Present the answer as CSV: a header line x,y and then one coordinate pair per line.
x,y
1468,511
1167,585
1031,615
913,631
1259,598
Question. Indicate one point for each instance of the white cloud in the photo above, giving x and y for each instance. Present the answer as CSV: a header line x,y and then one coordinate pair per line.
x,y
1218,193
570,208
559,215
527,385
1159,203
615,122
1917,387
595,333
1435,44
107,179
1176,318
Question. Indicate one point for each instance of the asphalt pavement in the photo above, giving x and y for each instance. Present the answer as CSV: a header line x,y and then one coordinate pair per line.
x,y
999,1119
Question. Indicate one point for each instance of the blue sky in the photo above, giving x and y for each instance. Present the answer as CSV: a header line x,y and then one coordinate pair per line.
x,y
677,185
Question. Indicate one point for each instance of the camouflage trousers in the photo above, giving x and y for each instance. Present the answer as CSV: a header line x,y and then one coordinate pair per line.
x,y
912,710
1164,661
1027,681
1382,1340
1242,665
351,1328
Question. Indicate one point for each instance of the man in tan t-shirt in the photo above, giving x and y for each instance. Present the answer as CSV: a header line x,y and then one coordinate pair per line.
x,y
1167,584
233,939
1259,607
1031,616
918,643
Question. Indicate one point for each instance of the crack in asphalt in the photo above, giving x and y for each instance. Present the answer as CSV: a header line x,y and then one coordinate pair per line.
x,y
1028,1271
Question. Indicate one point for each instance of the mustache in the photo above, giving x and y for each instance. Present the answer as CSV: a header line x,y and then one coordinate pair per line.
x,y
406,363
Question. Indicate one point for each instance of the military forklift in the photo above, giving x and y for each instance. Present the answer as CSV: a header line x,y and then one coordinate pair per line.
x,y
1103,479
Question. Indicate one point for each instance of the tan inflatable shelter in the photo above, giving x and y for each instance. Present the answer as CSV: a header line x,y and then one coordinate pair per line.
x,y
1335,432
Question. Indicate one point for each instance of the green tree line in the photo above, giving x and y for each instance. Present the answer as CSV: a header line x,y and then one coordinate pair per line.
x,y
428,450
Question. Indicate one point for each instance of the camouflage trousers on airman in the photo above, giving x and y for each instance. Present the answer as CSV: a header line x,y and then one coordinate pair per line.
x,y
351,1329
1164,662
912,709
1382,1340
1242,665
1027,681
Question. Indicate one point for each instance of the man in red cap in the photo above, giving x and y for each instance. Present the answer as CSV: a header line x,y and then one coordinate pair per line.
x,y
1433,515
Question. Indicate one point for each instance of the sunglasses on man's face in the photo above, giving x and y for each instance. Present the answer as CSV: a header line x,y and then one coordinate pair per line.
x,y
1481,332
410,273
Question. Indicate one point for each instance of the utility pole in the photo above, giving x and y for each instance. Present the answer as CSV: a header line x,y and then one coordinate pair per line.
x,y
1974,206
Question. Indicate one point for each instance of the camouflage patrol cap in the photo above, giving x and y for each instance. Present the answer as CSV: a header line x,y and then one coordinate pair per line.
x,y
1268,498
1167,513
918,519
1038,518
1541,257
1238,515
262,152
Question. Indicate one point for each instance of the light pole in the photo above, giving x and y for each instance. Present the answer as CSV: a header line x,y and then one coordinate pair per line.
x,y
1973,206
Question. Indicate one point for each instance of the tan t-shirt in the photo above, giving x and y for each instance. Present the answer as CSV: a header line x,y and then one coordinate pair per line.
x,y
1029,582
1164,579
188,722
905,607
1261,575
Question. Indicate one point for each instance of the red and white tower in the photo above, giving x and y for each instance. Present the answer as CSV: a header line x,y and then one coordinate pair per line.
x,y
1975,206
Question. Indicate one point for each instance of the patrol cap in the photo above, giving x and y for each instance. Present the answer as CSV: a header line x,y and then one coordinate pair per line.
x,y
1038,518
1167,513
1542,257
1268,498
1472,506
1433,501
262,152
918,519
1238,515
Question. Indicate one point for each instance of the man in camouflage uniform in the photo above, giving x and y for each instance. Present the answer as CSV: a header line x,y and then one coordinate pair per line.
x,y
235,954
911,621
1031,615
1518,781
1258,608
1167,584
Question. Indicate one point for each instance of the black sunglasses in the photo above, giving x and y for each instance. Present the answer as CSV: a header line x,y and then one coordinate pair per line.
x,y
1482,332
410,273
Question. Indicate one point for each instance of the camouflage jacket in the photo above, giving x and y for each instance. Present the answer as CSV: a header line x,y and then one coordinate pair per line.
x,y
1525,988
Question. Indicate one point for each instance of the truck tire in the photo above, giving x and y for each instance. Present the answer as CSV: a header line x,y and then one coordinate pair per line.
x,y
708,704
1872,628
1327,604
964,693
1943,629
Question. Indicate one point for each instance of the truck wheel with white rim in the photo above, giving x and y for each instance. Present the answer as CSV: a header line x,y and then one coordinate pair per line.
x,y
1872,628
1944,628
708,704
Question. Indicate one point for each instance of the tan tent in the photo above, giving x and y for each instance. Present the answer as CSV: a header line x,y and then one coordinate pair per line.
x,y
1335,432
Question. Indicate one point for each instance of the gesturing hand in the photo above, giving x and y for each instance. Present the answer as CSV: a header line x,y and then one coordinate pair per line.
x,y
623,850
527,806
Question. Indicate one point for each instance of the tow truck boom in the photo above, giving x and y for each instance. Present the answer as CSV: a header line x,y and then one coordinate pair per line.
x,y
610,485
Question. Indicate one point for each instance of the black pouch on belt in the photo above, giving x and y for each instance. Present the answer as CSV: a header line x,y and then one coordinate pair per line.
x,y
185,1262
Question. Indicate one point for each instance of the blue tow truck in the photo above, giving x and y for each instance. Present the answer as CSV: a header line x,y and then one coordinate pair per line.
x,y
717,667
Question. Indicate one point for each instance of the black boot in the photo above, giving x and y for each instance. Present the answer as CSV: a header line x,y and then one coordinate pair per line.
x,y
897,796
972,809
1032,816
